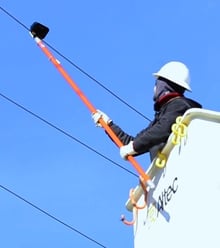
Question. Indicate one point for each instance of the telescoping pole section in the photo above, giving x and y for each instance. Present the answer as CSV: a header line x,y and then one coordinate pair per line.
x,y
36,32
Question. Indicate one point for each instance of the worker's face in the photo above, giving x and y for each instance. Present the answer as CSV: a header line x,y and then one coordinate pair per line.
x,y
161,87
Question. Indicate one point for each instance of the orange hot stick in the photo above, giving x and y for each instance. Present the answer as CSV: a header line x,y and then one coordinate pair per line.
x,y
36,32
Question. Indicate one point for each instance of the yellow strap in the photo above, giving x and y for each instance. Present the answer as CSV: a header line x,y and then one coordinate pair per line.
x,y
161,160
179,130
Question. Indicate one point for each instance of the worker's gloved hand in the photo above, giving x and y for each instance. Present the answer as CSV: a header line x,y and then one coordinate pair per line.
x,y
127,150
99,114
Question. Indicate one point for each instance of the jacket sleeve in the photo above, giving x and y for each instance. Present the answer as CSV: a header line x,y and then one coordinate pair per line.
x,y
160,130
123,136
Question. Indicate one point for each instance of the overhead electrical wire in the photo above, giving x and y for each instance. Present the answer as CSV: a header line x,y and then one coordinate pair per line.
x,y
52,125
99,83
66,133
70,136
35,206
14,18
52,216
77,140
79,68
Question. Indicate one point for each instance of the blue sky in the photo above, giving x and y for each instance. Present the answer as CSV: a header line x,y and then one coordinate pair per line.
x,y
120,44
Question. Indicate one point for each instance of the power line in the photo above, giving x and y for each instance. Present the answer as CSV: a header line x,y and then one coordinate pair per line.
x,y
52,216
65,133
99,83
79,68
88,75
14,18
70,136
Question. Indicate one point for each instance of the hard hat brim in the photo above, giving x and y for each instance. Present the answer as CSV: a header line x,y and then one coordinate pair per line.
x,y
182,84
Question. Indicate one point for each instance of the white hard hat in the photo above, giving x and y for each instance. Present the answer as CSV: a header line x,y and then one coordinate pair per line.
x,y
176,72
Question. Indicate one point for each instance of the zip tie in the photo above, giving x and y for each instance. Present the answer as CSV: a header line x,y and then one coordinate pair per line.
x,y
179,130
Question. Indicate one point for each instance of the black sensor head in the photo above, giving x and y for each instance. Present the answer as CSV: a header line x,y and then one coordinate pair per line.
x,y
39,30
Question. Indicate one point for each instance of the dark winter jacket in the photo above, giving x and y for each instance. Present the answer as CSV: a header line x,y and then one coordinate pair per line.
x,y
154,137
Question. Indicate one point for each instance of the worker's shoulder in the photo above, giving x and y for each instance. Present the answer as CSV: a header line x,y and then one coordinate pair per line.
x,y
186,101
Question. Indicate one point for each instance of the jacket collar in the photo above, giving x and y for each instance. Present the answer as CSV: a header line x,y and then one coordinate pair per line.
x,y
164,99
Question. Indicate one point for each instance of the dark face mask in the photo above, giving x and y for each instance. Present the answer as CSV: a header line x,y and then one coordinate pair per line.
x,y
161,88
164,87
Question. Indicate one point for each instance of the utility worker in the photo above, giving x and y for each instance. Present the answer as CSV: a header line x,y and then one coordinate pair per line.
x,y
169,102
